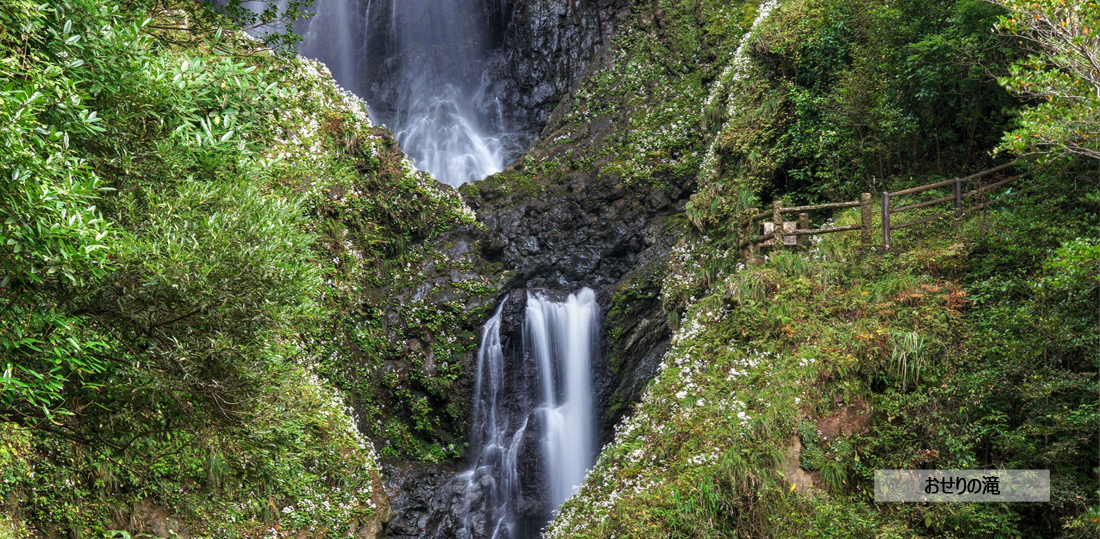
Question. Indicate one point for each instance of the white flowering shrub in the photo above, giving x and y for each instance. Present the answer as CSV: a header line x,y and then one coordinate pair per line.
x,y
763,354
375,216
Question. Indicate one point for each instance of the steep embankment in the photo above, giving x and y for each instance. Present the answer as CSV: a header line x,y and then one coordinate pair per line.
x,y
787,384
204,241
203,244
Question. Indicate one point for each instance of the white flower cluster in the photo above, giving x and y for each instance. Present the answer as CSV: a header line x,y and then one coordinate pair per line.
x,y
356,105
705,459
727,83
750,359
588,111
815,252
683,267
344,419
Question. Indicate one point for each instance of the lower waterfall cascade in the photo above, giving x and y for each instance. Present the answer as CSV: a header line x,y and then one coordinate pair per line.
x,y
560,336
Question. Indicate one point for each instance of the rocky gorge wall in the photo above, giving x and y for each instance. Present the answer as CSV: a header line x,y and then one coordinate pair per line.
x,y
561,218
599,199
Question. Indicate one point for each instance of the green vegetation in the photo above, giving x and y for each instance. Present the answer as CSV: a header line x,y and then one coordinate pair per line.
x,y
847,97
194,234
1060,72
788,384
959,345
221,287
635,120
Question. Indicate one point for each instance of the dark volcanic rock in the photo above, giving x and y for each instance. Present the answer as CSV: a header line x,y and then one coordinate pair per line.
x,y
555,220
547,44
418,499
586,232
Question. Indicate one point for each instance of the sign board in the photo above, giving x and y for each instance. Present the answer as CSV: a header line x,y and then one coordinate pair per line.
x,y
787,226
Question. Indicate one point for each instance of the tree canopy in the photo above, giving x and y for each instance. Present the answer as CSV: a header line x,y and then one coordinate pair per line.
x,y
1062,74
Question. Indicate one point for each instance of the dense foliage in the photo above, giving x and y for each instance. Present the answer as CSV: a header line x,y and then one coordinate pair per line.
x,y
160,282
971,344
1062,72
845,97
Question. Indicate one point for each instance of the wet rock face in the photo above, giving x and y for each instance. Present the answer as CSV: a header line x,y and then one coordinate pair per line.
x,y
419,501
559,217
547,45
584,231
637,332
431,501
560,227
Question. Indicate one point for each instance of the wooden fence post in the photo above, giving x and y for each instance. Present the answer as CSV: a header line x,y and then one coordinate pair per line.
x,y
803,224
865,219
749,233
885,220
777,223
958,198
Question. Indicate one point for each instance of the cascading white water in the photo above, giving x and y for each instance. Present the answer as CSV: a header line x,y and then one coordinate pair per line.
x,y
493,476
425,50
562,335
436,120
444,138
331,37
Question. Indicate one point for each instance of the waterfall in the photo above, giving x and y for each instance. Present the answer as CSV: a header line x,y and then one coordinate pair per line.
x,y
436,119
330,38
561,335
548,386
421,68
493,475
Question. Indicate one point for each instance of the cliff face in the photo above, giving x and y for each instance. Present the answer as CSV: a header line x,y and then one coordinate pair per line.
x,y
594,201
546,46
513,60
557,219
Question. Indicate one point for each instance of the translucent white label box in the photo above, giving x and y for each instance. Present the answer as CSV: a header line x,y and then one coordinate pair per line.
x,y
962,485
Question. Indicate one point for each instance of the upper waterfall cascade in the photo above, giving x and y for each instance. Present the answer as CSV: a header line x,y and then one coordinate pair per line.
x,y
421,66
560,338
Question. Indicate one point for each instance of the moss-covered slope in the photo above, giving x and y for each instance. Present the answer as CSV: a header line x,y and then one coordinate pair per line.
x,y
788,384
234,277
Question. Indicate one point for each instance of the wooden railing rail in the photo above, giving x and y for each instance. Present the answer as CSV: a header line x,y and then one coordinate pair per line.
x,y
957,198
815,207
779,234
782,230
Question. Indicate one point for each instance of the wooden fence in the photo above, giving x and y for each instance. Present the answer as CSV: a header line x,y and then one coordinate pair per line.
x,y
784,232
956,199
